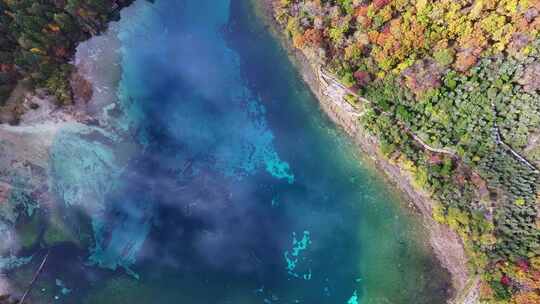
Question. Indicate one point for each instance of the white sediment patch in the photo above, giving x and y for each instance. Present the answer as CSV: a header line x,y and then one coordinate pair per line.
x,y
27,158
28,143
98,61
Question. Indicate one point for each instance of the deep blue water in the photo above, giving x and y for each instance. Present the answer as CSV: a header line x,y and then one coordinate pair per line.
x,y
239,190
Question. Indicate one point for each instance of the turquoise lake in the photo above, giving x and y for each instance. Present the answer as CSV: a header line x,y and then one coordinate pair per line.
x,y
220,181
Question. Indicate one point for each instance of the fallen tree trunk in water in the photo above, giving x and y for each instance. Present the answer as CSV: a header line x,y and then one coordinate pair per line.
x,y
36,276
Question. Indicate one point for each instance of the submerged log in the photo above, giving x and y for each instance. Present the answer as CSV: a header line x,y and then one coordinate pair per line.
x,y
36,276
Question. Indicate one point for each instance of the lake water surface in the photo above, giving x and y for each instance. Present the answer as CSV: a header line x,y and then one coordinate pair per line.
x,y
221,182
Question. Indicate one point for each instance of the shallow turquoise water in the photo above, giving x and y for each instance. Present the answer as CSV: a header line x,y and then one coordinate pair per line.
x,y
239,191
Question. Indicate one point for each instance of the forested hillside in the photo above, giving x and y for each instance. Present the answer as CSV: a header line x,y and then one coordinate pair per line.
x,y
462,76
37,40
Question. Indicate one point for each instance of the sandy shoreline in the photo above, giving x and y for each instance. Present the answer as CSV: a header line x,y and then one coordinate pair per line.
x,y
446,244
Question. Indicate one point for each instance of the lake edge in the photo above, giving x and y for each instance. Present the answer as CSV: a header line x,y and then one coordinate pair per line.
x,y
446,244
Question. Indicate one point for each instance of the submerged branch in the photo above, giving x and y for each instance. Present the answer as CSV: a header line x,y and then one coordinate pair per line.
x,y
36,276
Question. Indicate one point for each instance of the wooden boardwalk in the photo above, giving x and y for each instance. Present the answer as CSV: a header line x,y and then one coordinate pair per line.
x,y
336,91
